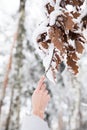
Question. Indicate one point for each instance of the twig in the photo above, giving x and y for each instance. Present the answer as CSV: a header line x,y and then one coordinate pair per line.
x,y
50,62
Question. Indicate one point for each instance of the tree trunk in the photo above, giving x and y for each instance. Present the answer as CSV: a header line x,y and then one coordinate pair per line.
x,y
75,116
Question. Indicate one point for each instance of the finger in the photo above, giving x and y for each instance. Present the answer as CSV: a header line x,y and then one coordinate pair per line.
x,y
46,92
43,87
43,84
40,82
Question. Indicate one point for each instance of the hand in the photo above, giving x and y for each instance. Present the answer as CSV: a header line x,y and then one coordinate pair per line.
x,y
40,98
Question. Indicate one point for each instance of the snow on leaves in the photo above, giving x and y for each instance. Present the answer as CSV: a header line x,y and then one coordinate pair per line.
x,y
65,35
75,3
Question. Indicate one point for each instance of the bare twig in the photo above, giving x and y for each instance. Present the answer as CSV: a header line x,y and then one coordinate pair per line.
x,y
50,62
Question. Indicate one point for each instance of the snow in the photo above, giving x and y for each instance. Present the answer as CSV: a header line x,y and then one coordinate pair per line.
x,y
64,91
47,59
31,20
9,7
70,8
51,19
53,16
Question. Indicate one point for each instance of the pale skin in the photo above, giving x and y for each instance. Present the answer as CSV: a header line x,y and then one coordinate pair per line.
x,y
40,98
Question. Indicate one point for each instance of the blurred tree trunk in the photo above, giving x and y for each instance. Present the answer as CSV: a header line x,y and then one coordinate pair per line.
x,y
75,117
13,119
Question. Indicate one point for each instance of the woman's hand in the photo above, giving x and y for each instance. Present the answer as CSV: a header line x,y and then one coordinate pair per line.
x,y
40,98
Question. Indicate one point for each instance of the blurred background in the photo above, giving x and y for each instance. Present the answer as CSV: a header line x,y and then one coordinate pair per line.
x,y
21,68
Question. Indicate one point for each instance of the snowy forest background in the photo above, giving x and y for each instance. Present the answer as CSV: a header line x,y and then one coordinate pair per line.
x,y
21,66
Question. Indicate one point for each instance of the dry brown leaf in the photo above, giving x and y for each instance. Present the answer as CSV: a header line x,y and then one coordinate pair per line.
x,y
55,34
73,56
55,1
71,52
77,2
49,8
41,37
73,65
63,3
84,20
58,61
75,14
69,24
76,27
73,35
44,45
79,46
